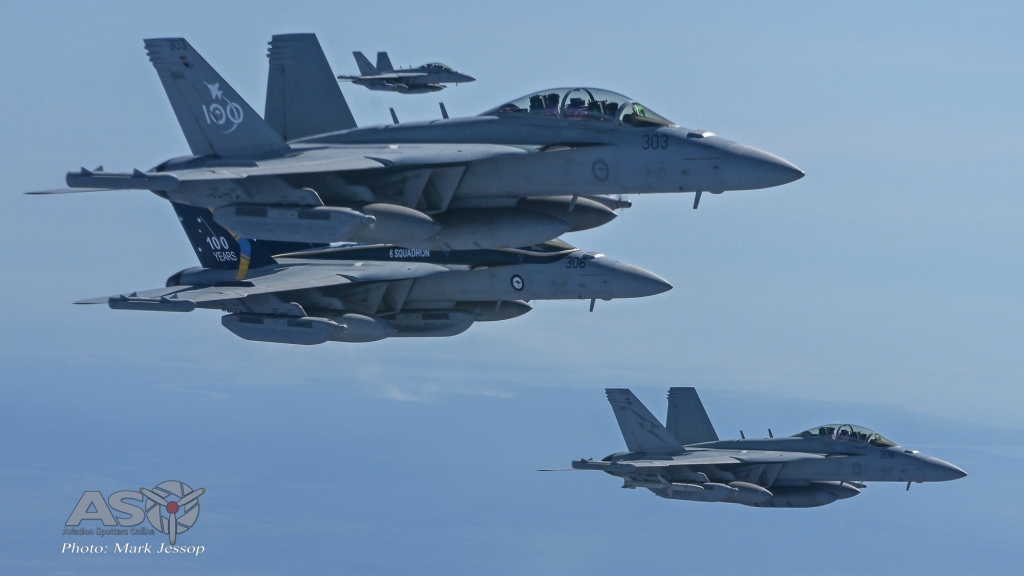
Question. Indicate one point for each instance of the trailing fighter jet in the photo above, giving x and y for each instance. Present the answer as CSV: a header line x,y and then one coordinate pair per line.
x,y
309,294
685,460
520,174
420,80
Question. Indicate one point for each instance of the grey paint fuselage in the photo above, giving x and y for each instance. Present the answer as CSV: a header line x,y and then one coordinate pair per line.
x,y
587,158
805,460
468,286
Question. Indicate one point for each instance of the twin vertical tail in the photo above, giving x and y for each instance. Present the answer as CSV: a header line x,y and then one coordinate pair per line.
x,y
303,96
214,118
687,421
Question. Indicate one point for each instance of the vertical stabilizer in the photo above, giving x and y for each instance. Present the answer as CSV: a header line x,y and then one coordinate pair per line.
x,y
215,246
384,63
687,420
365,68
212,115
303,96
640,429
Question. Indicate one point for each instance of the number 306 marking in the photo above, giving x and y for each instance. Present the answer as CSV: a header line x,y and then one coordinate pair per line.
x,y
575,262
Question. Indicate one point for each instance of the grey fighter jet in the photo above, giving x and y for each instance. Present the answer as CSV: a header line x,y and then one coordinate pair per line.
x,y
419,80
520,174
685,460
310,294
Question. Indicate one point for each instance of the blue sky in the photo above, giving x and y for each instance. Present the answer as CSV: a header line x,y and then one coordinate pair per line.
x,y
884,288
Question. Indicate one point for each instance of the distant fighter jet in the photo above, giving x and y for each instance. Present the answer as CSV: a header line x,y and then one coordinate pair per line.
x,y
361,293
520,174
687,461
427,78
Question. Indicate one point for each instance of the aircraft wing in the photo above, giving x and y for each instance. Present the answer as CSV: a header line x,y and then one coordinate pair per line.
x,y
697,458
310,160
692,459
767,457
284,279
440,165
389,76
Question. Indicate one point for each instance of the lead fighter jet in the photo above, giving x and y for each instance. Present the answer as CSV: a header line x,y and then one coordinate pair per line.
x,y
520,174
356,293
685,460
419,80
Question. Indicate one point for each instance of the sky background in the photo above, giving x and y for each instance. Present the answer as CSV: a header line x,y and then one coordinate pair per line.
x,y
884,289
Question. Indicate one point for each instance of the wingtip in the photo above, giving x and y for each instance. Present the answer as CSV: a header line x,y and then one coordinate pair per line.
x,y
100,300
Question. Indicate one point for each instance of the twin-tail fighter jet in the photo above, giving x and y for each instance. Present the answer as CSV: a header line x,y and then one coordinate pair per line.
x,y
420,80
685,460
520,174
308,294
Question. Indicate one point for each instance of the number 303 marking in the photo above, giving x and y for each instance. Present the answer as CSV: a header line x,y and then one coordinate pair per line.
x,y
655,142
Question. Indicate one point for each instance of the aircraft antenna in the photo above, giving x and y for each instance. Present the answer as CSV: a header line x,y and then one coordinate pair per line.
x,y
444,113
394,117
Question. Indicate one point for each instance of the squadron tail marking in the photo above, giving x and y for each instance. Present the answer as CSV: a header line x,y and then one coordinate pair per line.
x,y
214,118
215,246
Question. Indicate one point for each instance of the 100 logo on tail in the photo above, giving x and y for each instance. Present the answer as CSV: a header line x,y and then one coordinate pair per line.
x,y
221,114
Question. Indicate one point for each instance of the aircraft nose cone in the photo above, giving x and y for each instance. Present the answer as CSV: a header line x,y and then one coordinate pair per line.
x,y
942,471
466,78
633,282
751,169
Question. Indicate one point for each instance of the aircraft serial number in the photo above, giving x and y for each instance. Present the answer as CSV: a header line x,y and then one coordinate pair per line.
x,y
886,455
654,142
177,44
575,262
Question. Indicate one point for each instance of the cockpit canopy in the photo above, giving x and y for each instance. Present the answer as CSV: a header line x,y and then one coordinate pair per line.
x,y
847,433
438,66
583,104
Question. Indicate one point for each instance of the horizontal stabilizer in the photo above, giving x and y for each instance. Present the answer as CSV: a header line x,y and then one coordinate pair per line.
x,y
640,429
214,118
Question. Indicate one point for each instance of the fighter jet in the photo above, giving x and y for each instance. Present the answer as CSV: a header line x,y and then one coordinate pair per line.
x,y
420,80
309,294
519,174
687,461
